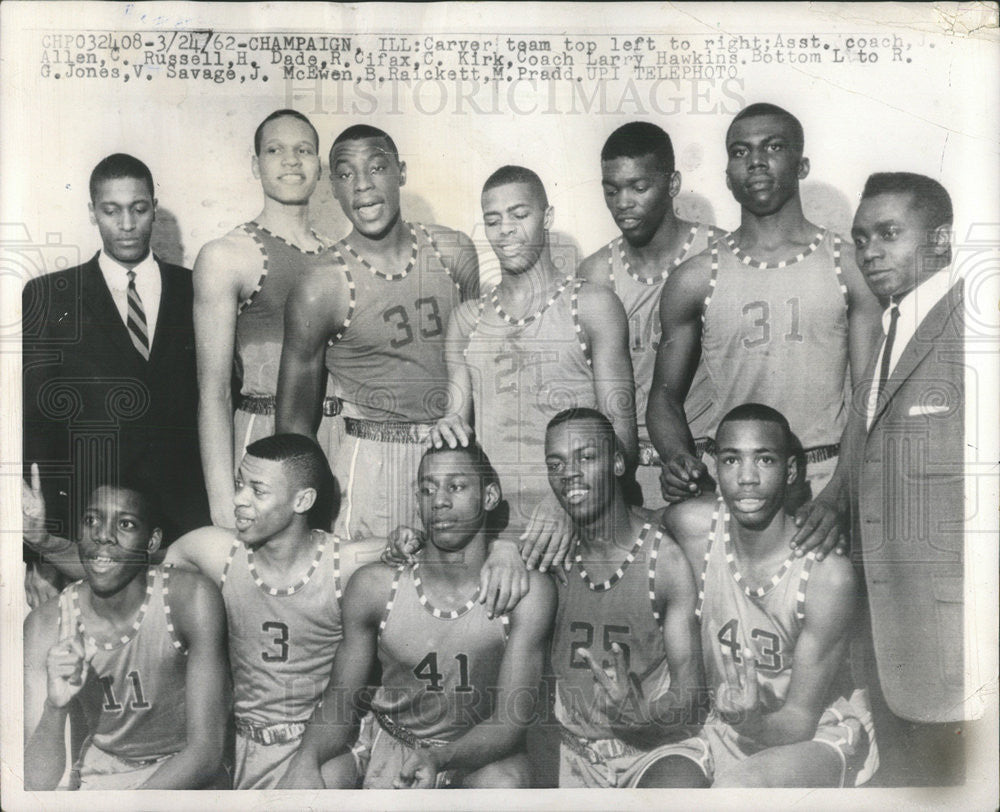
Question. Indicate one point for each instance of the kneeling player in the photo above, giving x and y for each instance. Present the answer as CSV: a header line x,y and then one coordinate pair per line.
x,y
458,688
774,627
625,648
139,650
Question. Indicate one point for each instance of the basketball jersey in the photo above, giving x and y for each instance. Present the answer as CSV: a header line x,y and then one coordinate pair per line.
x,y
641,299
282,639
524,372
387,362
134,696
594,616
260,323
439,668
777,334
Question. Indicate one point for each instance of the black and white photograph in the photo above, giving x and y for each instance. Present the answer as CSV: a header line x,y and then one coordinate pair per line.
x,y
593,402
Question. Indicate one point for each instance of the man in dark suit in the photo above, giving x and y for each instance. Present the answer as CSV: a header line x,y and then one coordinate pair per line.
x,y
109,378
904,458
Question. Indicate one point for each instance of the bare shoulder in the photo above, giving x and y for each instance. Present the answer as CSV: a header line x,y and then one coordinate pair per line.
x,y
598,298
595,267
448,240
41,626
206,549
833,578
371,581
235,255
356,554
689,523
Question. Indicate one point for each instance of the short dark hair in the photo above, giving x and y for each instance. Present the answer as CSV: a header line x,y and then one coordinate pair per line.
x,y
926,194
582,413
359,132
308,464
758,412
120,165
517,174
480,461
767,109
638,139
259,132
142,487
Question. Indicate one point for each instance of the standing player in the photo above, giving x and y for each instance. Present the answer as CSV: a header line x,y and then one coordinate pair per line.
x,y
776,309
458,688
241,282
281,582
775,628
640,183
537,343
625,648
138,650
378,319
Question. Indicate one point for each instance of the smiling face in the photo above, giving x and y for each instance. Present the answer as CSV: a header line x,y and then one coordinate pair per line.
x,y
895,248
639,194
116,539
765,163
583,462
124,209
288,164
754,470
452,498
266,500
367,178
516,222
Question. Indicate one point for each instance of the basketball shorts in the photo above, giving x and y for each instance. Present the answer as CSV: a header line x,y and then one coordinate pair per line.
x,y
97,769
261,766
611,763
846,731
377,480
379,757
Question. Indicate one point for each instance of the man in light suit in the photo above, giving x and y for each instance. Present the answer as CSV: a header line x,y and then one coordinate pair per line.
x,y
904,466
109,370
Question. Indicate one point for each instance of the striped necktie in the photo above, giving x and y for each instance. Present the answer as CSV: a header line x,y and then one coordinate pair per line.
x,y
136,320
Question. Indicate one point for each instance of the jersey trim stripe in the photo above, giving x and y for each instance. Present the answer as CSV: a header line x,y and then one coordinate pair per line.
x,y
352,297
123,639
837,270
289,590
250,229
229,561
708,553
392,597
653,553
443,614
618,573
574,311
746,259
800,595
166,613
439,255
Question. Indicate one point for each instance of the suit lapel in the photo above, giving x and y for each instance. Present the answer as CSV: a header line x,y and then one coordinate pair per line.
x,y
924,340
102,312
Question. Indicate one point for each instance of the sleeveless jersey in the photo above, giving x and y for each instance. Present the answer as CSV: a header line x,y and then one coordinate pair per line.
x,y
260,323
596,615
387,363
523,373
134,697
439,668
282,639
777,334
641,299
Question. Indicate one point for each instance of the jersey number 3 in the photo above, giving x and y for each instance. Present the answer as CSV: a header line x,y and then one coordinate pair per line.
x,y
280,641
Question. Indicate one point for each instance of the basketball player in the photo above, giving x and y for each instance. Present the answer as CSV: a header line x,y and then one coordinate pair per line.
x,y
138,651
778,311
640,184
625,648
281,582
775,628
241,282
539,341
378,320
458,688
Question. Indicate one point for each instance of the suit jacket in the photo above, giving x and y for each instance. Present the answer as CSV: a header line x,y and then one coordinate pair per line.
x,y
908,509
94,408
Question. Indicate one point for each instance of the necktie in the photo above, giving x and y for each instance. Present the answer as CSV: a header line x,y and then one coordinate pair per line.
x,y
890,337
136,320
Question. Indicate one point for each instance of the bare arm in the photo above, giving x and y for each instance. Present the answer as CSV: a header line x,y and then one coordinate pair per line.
x,y
461,257
314,311
819,652
44,722
200,618
516,692
216,302
329,731
681,302
821,520
455,427
603,320
205,550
